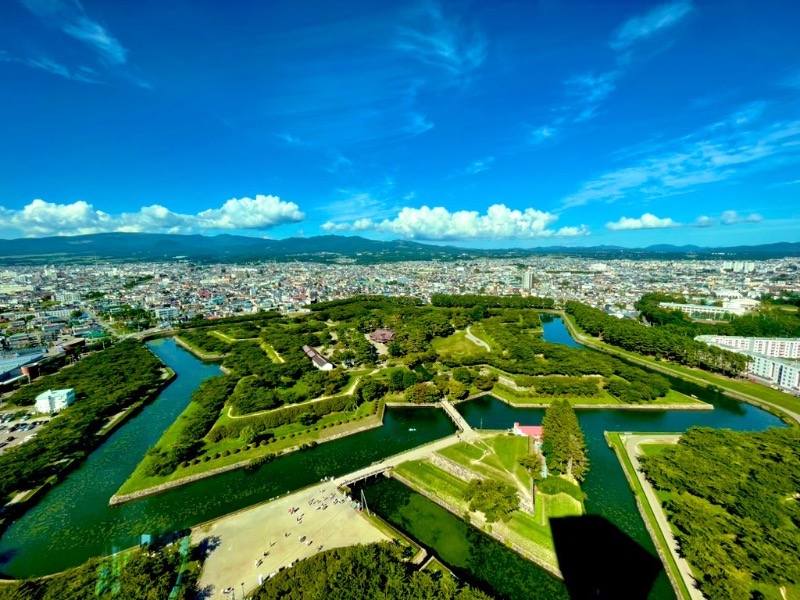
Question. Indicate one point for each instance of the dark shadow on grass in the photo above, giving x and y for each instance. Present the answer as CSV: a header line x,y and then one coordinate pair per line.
x,y
600,561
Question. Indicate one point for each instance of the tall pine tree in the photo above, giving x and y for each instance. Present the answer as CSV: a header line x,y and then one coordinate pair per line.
x,y
564,446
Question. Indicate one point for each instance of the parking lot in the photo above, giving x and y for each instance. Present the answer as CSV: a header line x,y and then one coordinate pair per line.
x,y
18,426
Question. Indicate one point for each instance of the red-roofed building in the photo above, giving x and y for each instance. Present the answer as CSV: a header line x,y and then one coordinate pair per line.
x,y
533,431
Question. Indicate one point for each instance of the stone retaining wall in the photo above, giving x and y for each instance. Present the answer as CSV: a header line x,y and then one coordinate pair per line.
x,y
455,469
198,353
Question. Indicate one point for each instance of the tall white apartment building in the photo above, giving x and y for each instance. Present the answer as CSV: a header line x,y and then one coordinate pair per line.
x,y
777,347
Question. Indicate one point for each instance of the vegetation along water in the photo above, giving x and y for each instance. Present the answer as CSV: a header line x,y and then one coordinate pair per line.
x,y
73,522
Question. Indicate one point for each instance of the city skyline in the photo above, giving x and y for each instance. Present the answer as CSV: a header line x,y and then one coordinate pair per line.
x,y
488,125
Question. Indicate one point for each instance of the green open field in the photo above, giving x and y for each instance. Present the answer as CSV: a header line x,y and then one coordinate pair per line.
x,y
496,456
432,479
457,345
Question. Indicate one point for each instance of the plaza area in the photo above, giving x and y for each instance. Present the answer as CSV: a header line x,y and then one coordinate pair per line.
x,y
248,546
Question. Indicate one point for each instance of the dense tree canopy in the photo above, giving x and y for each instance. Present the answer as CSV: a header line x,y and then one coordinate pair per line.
x,y
733,502
373,572
104,383
564,446
655,341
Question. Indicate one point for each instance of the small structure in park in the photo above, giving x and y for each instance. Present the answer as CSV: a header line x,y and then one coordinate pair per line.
x,y
532,431
53,401
382,336
319,361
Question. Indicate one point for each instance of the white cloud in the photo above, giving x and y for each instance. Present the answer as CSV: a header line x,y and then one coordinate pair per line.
x,y
642,27
261,212
731,217
573,231
438,223
704,221
40,218
646,221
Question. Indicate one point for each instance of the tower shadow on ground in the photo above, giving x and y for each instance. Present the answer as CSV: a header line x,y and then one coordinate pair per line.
x,y
600,561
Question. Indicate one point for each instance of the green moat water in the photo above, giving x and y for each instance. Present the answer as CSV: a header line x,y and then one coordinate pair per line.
x,y
465,549
73,521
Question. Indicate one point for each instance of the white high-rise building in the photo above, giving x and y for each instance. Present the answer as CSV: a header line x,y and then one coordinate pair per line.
x,y
527,280
53,401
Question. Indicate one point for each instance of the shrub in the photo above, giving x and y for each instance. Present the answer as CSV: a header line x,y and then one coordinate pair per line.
x,y
226,453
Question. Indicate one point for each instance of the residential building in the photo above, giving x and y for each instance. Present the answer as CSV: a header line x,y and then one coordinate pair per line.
x,y
775,347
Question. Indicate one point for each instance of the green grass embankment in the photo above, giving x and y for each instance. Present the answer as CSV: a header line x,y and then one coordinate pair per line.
x,y
615,442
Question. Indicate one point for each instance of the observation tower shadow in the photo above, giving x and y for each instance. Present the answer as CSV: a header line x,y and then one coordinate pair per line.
x,y
600,561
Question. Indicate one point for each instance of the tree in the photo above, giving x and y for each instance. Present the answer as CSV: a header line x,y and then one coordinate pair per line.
x,y
564,446
495,499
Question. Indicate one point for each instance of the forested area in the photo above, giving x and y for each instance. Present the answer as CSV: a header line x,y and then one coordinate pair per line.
x,y
733,502
760,324
105,383
564,446
655,341
139,575
373,572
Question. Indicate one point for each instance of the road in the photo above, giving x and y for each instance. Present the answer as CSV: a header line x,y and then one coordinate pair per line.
x,y
632,445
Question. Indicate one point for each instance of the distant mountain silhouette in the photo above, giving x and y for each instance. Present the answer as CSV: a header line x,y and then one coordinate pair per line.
x,y
325,248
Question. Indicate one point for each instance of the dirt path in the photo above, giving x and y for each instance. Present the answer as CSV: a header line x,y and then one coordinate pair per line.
x,y
477,340
632,445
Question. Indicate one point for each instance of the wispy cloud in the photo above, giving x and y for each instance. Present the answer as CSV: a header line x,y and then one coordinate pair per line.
x,y
70,17
645,26
44,63
589,91
721,151
444,42
479,166
646,221
542,134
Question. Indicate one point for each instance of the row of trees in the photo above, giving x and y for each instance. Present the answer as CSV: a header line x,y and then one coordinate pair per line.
x,y
193,424
471,300
104,383
655,341
733,503
564,446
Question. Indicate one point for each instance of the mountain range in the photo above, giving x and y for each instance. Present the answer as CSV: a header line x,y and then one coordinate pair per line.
x,y
120,247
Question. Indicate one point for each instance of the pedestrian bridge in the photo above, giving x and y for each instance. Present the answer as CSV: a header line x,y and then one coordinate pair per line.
x,y
467,432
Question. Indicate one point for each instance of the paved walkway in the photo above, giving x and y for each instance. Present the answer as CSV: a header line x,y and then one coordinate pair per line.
x,y
466,431
238,542
632,445
476,340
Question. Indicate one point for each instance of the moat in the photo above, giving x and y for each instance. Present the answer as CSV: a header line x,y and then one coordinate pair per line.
x,y
73,521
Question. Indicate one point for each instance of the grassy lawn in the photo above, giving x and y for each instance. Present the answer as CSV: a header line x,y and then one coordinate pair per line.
x,y
286,436
495,456
271,353
432,479
653,449
616,442
457,345
479,331
749,388
561,505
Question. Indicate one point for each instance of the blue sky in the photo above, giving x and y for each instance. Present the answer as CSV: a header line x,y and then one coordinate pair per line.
x,y
484,123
